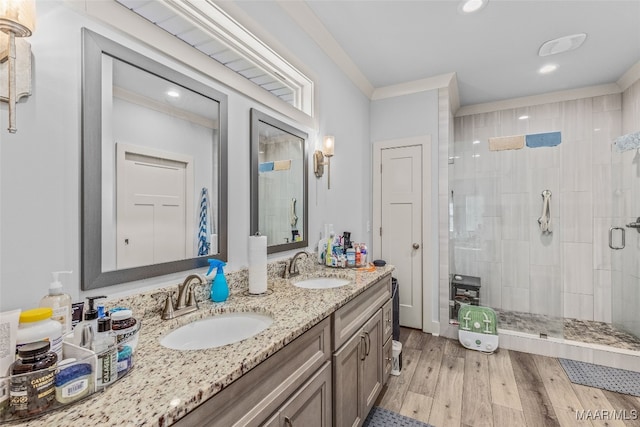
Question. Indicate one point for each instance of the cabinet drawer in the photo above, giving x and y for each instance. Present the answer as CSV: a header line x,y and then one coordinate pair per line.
x,y
257,394
387,364
349,318
387,320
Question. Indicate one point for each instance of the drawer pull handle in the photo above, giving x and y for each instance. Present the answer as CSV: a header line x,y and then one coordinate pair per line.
x,y
364,344
368,342
288,422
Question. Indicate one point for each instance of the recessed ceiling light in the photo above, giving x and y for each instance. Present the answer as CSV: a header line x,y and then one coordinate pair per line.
x,y
470,6
475,155
549,68
476,142
523,117
173,93
562,44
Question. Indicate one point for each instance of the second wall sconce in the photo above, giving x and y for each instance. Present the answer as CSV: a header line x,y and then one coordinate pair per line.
x,y
17,19
328,144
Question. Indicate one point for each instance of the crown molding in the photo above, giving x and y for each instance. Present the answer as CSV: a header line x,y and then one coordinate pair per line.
x,y
631,76
546,98
302,14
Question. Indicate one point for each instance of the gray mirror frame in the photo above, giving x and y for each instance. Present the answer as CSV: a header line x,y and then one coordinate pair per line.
x,y
256,118
92,277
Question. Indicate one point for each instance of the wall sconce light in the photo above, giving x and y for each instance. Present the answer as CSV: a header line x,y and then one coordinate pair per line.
x,y
17,19
328,145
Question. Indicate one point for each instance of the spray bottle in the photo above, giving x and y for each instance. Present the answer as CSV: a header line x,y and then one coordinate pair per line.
x,y
219,287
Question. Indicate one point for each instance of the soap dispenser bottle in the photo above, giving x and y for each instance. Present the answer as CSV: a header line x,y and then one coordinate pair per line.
x,y
59,302
85,331
219,287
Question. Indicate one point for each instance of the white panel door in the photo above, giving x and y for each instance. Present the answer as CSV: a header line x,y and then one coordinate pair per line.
x,y
401,226
152,212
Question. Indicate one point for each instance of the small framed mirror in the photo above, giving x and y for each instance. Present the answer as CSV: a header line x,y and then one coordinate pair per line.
x,y
154,167
279,200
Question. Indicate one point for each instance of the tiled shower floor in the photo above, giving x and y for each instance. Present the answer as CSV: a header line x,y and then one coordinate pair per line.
x,y
586,331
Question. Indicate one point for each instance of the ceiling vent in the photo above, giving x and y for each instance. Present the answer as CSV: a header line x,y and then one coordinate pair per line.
x,y
562,44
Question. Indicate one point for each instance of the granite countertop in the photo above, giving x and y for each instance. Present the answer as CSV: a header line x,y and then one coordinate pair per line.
x,y
166,384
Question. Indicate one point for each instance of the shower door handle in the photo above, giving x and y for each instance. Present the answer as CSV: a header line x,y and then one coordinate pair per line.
x,y
635,225
611,238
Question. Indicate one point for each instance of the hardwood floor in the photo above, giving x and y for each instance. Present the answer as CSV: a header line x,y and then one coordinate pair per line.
x,y
446,385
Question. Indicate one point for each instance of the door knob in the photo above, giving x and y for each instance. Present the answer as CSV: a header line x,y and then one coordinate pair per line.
x,y
416,246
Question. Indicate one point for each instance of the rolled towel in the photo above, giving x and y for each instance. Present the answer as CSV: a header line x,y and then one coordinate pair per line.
x,y
627,142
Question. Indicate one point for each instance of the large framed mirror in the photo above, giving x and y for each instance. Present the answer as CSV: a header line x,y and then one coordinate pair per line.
x,y
154,167
279,200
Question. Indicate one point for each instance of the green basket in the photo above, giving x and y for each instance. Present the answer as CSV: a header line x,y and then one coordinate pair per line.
x,y
475,318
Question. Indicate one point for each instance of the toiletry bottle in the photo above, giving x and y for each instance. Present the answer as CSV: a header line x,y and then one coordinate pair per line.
x,y
32,390
85,331
104,344
322,250
219,287
59,302
328,257
37,325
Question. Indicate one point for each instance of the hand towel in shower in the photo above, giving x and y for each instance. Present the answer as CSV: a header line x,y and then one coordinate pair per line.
x,y
506,143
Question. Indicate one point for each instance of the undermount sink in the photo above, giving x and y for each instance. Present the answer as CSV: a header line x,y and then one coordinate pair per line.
x,y
322,283
216,331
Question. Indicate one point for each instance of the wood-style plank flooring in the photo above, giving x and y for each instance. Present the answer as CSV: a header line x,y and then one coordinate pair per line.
x,y
446,385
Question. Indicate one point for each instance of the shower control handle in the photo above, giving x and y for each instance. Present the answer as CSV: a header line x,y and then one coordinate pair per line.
x,y
635,225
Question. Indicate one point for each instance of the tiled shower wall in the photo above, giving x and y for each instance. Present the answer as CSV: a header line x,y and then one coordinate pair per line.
x,y
495,201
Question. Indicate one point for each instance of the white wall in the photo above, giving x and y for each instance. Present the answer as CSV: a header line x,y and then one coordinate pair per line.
x,y
40,165
405,116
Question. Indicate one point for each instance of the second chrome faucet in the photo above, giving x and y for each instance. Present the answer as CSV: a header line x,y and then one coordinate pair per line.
x,y
186,301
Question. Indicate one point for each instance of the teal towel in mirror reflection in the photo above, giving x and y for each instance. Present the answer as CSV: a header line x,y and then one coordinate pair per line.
x,y
203,224
278,165
547,139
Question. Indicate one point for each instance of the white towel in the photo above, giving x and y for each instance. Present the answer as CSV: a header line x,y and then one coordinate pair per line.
x,y
626,142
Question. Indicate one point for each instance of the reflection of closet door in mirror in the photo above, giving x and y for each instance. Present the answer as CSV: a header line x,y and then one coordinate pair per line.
x,y
154,206
278,183
153,169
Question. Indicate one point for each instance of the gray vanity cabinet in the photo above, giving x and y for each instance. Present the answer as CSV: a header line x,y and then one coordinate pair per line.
x,y
295,382
310,406
358,358
387,321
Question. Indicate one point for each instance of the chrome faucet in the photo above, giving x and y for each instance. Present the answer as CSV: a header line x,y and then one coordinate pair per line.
x,y
293,267
186,301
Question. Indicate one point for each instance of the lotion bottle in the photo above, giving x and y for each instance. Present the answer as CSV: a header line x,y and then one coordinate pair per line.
x,y
59,302
104,344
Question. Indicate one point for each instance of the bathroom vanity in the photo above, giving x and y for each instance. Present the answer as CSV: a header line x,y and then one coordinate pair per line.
x,y
322,362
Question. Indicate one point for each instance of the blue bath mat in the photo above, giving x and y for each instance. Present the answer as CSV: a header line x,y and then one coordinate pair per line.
x,y
604,377
380,417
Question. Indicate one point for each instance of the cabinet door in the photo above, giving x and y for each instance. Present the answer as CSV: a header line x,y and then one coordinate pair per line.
x,y
347,371
310,406
372,368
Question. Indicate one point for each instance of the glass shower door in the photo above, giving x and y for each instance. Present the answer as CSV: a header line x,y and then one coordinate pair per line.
x,y
624,240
